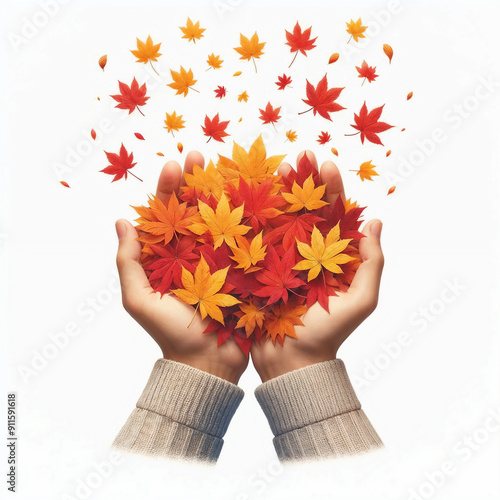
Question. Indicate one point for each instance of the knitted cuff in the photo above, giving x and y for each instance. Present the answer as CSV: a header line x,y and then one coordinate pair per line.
x,y
183,412
314,413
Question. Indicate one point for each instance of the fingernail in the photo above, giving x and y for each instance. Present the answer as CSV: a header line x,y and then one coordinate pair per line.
x,y
121,229
376,228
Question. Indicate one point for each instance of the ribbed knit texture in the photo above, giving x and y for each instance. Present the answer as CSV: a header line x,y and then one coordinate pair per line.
x,y
183,412
314,413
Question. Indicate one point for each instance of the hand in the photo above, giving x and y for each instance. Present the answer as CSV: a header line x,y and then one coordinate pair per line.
x,y
322,334
166,318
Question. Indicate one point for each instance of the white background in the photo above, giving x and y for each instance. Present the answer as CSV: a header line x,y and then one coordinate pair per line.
x,y
430,401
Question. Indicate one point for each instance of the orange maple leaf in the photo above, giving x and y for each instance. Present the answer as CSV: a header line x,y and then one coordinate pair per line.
x,y
174,122
250,49
192,31
147,52
291,135
282,319
214,61
182,81
209,181
355,29
250,316
307,196
243,97
366,171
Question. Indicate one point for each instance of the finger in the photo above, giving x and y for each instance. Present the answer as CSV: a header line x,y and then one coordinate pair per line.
x,y
284,169
134,282
310,156
369,273
169,181
330,176
193,158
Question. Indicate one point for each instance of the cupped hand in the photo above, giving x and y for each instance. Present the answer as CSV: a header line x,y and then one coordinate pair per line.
x,y
323,333
166,318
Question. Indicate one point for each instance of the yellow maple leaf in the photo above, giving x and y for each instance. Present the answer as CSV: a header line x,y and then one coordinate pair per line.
x,y
323,253
223,224
250,49
209,181
147,52
243,97
306,196
174,122
355,29
201,289
250,316
182,81
214,61
349,205
247,254
366,171
291,135
192,31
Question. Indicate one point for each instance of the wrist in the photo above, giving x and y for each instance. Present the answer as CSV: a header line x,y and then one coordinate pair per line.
x,y
218,369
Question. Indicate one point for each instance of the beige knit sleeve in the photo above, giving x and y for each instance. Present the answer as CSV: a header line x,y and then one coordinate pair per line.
x,y
183,412
314,413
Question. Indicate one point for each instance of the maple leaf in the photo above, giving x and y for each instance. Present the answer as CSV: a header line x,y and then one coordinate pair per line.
x,y
367,72
307,196
220,91
250,49
299,41
182,81
368,124
214,61
243,97
320,288
120,165
247,254
192,32
214,128
209,181
270,114
278,277
324,137
250,316
147,52
160,222
282,320
174,122
283,81
131,97
366,171
201,289
323,253
223,224
291,135
355,29
322,99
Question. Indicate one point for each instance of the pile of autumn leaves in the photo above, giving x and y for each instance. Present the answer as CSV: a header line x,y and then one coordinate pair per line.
x,y
250,249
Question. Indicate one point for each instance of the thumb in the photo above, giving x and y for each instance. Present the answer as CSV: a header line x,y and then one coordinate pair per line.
x,y
369,273
133,279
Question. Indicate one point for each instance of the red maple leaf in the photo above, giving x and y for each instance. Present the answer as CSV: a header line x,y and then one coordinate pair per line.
x,y
270,114
324,137
215,128
131,97
367,72
220,92
120,164
288,227
277,276
320,288
283,81
322,99
304,169
368,125
299,40
349,222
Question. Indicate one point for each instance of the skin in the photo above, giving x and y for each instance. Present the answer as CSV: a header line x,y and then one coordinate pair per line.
x,y
166,318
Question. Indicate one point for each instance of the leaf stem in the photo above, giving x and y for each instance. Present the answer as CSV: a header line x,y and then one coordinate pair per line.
x,y
154,68
139,109
194,315
138,178
306,111
296,52
353,134
254,65
195,90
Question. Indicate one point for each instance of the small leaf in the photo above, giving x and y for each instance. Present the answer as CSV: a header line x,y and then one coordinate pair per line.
x,y
388,51
139,136
103,60
180,147
93,134
388,153
333,58
160,154
391,190
409,96
238,73
335,152
65,184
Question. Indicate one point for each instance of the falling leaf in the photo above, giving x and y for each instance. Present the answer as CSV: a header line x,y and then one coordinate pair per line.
x,y
147,52
103,60
64,183
139,136
283,81
214,61
131,97
220,92
291,135
250,49
180,147
160,154
324,137
367,72
214,128
409,96
120,165
388,51
182,81
238,73
98,98
403,129
355,29
388,153
391,190
299,41
243,97
201,289
335,152
173,123
366,171
308,196
333,58
322,99
93,134
192,32
270,114
368,125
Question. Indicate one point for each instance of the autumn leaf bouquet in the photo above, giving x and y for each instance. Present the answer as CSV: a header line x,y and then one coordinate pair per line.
x,y
250,249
